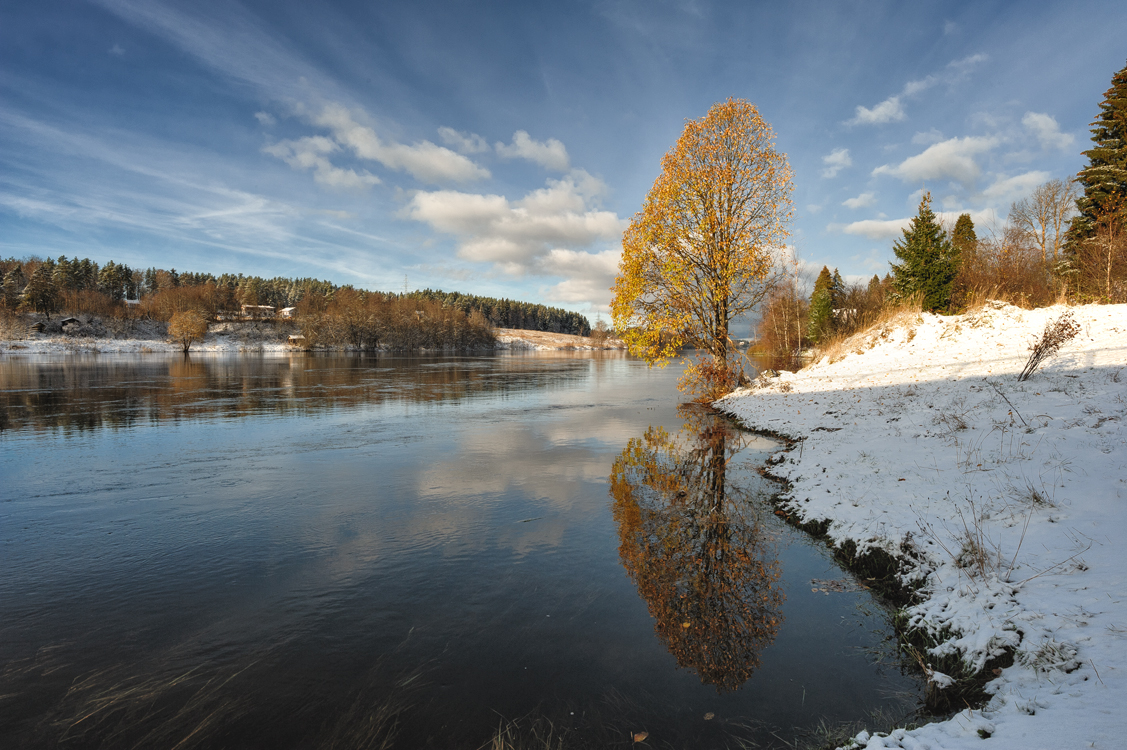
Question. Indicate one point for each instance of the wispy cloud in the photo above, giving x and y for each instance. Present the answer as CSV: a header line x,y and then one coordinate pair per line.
x,y
892,109
1006,189
549,154
423,160
1047,131
312,153
463,143
835,161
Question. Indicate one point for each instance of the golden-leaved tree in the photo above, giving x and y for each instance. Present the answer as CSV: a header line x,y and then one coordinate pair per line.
x,y
700,252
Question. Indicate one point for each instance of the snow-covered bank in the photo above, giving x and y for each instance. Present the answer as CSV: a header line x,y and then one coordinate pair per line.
x,y
1007,502
75,345
256,341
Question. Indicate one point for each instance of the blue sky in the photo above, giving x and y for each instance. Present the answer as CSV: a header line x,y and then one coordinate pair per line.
x,y
500,148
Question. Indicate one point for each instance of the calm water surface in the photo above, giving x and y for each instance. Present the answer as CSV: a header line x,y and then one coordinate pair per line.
x,y
326,552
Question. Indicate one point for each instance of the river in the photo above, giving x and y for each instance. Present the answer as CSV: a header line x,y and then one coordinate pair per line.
x,y
343,551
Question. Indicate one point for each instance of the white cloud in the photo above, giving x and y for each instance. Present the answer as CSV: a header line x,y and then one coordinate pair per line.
x,y
312,152
117,50
463,143
952,159
864,200
813,208
549,154
517,236
424,160
874,229
950,27
265,118
835,161
588,276
1047,131
887,111
982,219
1007,189
928,138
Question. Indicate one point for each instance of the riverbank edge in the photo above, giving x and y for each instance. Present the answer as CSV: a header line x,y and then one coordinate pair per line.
x,y
931,372
888,576
216,344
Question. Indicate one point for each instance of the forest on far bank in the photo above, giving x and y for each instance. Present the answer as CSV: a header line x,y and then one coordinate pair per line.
x,y
113,291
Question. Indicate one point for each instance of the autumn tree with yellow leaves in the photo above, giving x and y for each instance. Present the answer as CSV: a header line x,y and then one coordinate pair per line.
x,y
700,252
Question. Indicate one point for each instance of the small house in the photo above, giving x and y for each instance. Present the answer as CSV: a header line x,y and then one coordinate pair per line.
x,y
257,311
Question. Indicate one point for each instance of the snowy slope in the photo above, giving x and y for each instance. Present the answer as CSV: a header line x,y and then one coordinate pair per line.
x,y
1013,497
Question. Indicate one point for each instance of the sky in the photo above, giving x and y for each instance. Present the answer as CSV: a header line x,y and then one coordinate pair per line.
x,y
501,148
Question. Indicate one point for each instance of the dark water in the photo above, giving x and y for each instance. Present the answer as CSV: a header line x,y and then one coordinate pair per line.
x,y
357,552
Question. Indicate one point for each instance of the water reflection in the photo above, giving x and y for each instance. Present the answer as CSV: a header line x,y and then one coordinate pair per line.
x,y
80,394
694,544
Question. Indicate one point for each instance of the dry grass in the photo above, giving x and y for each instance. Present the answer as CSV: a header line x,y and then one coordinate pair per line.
x,y
557,340
904,314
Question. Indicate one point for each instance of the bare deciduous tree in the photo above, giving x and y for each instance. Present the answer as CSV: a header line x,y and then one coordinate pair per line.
x,y
1045,214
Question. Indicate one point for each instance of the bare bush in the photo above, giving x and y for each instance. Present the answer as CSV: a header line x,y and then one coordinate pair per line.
x,y
1056,334
1006,265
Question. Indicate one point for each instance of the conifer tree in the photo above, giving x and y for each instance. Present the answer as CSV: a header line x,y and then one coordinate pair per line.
x,y
41,294
1104,180
963,238
822,306
928,262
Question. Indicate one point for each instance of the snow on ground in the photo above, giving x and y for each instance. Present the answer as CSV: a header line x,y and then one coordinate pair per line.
x,y
514,338
1012,495
507,338
75,345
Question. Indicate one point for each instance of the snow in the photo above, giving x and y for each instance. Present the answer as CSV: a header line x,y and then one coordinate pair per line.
x,y
75,345
1009,498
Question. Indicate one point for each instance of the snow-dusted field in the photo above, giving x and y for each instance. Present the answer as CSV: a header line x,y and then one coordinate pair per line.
x,y
1012,498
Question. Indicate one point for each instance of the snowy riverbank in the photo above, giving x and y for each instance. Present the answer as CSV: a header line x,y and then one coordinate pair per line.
x,y
507,339
1006,501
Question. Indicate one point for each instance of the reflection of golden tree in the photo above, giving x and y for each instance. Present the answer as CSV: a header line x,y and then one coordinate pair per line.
x,y
694,546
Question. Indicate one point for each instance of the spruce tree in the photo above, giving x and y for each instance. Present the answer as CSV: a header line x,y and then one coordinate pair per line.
x,y
822,307
927,260
1105,178
963,238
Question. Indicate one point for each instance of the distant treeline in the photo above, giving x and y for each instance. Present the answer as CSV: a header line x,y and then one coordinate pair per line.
x,y
505,313
84,286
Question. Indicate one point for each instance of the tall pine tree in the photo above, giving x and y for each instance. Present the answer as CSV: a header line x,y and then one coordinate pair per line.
x,y
1105,178
928,261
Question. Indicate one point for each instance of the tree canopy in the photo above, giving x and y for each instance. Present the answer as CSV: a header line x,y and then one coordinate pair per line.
x,y
699,253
